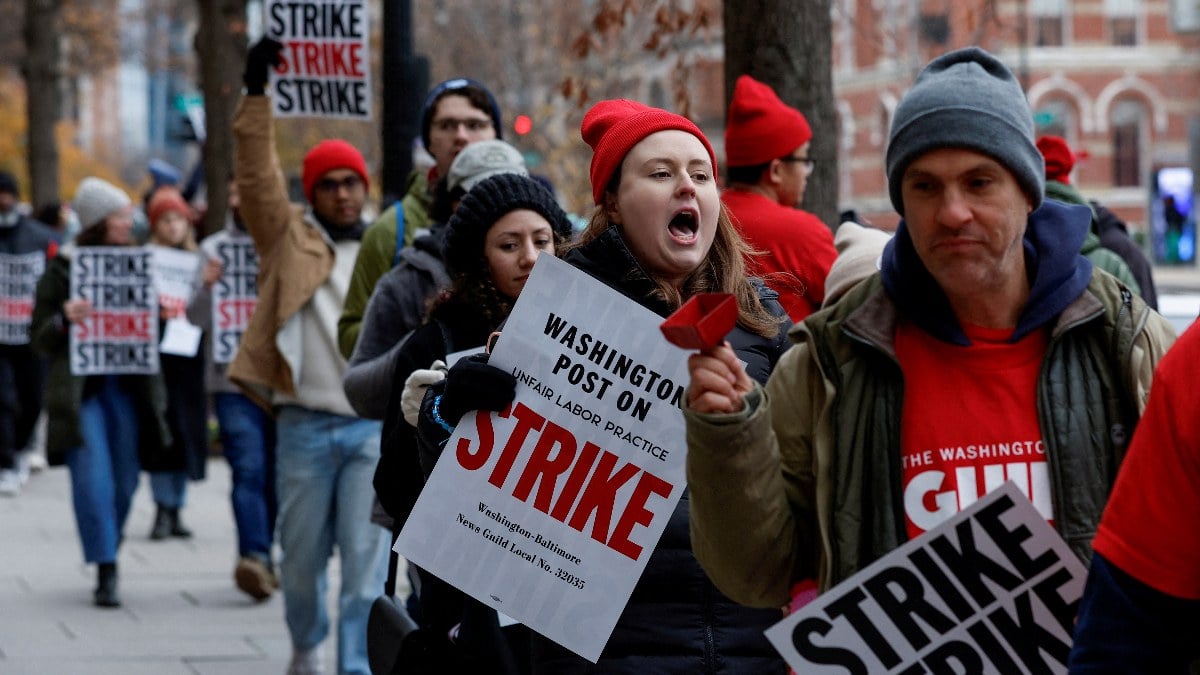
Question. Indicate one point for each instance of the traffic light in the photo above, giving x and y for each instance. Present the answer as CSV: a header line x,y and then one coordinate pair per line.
x,y
522,125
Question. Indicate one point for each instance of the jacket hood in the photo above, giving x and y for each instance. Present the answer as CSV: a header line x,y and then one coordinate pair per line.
x,y
1054,235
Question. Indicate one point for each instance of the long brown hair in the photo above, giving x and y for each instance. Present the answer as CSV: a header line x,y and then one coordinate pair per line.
x,y
723,269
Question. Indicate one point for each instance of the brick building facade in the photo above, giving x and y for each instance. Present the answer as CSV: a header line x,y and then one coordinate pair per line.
x,y
1114,77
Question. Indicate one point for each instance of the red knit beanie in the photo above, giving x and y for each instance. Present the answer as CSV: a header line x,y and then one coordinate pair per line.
x,y
164,200
330,155
761,127
613,127
1059,158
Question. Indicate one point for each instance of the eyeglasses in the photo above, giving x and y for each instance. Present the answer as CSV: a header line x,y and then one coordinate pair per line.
x,y
450,125
807,162
350,183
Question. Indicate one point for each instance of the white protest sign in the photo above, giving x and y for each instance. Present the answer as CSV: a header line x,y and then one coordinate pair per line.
x,y
992,590
19,274
234,295
549,511
326,69
175,273
120,336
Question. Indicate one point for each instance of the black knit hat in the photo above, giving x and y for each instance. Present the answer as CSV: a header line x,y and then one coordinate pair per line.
x,y
486,203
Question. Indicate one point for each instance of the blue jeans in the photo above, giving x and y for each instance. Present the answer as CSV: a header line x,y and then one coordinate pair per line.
x,y
325,463
169,488
248,442
104,470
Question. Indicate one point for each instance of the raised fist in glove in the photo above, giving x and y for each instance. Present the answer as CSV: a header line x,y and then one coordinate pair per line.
x,y
259,59
414,390
472,384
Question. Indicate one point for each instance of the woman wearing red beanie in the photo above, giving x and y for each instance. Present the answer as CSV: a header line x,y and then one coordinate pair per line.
x,y
187,407
659,236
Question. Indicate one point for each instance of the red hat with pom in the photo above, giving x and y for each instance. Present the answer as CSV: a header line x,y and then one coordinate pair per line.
x,y
761,127
1059,158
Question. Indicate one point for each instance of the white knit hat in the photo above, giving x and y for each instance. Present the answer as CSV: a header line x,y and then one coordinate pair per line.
x,y
859,249
97,199
481,160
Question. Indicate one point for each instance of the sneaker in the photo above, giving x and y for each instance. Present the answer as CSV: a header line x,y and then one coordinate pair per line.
x,y
23,467
306,662
254,578
10,482
37,461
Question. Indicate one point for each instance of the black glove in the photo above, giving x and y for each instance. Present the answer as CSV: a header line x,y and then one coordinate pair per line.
x,y
264,54
471,384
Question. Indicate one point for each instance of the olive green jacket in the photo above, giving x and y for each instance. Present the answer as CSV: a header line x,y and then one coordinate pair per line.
x,y
377,254
806,481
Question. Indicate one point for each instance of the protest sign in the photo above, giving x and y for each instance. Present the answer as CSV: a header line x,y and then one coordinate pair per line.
x,y
120,336
992,590
175,273
234,295
326,60
19,274
549,510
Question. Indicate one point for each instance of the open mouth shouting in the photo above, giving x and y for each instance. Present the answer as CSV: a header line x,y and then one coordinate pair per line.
x,y
684,226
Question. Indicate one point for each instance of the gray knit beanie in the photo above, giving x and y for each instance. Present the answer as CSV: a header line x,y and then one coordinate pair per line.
x,y
966,99
486,203
97,199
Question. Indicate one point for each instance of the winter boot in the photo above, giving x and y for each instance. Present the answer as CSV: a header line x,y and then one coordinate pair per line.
x,y
106,585
178,529
162,524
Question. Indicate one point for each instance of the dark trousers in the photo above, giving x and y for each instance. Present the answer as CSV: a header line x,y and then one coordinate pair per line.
x,y
22,385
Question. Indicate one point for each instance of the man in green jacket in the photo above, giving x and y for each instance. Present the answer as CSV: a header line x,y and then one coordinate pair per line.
x,y
986,349
456,113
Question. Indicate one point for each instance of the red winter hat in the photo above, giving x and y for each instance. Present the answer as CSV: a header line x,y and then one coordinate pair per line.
x,y
330,155
1059,158
761,127
164,200
613,127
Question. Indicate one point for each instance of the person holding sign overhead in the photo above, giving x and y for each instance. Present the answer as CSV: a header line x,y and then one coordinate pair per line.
x,y
288,362
985,350
97,423
659,236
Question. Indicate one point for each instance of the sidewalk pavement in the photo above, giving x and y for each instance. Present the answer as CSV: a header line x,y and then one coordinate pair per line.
x,y
181,613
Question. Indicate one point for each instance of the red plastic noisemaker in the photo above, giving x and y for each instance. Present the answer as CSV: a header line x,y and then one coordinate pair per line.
x,y
702,322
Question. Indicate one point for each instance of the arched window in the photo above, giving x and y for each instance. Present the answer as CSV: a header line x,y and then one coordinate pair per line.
x,y
1128,126
1056,117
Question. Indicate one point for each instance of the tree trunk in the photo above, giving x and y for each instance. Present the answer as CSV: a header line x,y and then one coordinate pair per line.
x,y
42,97
793,53
221,48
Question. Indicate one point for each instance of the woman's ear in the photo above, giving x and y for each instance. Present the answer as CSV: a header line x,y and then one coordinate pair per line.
x,y
610,208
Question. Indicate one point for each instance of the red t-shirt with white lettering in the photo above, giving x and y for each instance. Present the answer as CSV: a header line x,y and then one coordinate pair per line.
x,y
969,421
1149,528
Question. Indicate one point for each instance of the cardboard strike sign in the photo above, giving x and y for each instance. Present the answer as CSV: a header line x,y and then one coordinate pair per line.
x,y
19,275
235,295
175,273
326,60
549,510
992,590
121,334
